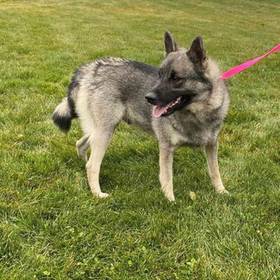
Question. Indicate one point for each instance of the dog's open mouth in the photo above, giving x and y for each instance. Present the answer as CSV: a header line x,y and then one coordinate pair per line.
x,y
168,109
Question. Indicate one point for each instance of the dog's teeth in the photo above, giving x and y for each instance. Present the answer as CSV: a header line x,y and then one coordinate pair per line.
x,y
172,103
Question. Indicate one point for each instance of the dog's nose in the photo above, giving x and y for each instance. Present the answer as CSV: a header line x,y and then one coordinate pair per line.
x,y
151,98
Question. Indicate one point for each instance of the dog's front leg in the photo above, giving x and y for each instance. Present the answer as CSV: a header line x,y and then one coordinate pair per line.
x,y
213,167
166,172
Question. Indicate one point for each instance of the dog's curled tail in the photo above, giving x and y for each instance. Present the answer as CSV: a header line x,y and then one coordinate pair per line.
x,y
63,115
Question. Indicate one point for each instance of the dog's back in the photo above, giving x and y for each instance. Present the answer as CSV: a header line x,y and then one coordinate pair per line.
x,y
106,88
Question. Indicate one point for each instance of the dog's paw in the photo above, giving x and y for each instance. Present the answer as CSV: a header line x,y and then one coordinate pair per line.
x,y
170,197
223,191
101,195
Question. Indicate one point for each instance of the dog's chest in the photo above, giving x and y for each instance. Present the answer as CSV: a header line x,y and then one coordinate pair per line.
x,y
191,130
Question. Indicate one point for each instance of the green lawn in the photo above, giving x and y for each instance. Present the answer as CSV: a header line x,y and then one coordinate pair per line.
x,y
50,225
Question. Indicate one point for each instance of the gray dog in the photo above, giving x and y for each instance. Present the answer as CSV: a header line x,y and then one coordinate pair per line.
x,y
184,102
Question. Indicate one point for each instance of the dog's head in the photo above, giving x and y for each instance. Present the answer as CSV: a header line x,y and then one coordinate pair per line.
x,y
182,77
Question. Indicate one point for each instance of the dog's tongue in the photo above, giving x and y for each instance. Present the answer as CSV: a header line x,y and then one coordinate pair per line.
x,y
158,111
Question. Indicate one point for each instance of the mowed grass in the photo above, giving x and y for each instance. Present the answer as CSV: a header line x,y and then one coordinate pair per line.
x,y
51,226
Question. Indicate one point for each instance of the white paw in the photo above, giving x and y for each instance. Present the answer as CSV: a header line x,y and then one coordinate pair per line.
x,y
101,195
170,197
222,191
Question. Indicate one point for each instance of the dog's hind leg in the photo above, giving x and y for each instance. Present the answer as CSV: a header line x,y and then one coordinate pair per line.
x,y
99,142
213,167
100,110
166,172
82,146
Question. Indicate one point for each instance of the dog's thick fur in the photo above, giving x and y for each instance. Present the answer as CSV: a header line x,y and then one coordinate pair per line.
x,y
189,104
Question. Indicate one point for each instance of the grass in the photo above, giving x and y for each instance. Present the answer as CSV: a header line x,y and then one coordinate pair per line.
x,y
52,228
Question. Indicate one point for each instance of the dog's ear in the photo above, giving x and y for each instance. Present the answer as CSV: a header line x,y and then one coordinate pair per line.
x,y
196,53
169,43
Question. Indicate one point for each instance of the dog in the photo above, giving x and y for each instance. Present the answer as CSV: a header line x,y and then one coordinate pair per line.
x,y
183,102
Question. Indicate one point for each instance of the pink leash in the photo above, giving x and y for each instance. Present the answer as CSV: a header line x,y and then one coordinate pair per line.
x,y
241,67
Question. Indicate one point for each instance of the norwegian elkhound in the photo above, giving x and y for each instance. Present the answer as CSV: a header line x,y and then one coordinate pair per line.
x,y
183,102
